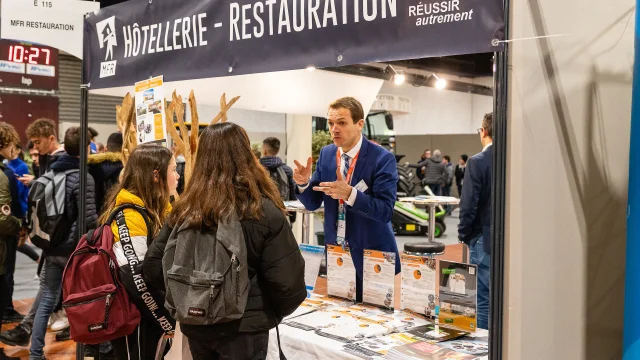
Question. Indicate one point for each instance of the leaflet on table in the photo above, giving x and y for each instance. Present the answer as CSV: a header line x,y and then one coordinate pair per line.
x,y
312,255
316,302
434,334
418,289
341,273
458,290
425,351
378,283
151,123
467,345
376,348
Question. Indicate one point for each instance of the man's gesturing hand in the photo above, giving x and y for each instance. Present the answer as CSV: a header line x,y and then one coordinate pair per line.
x,y
337,190
302,174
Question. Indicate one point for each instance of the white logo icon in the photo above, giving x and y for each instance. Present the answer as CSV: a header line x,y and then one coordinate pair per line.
x,y
106,30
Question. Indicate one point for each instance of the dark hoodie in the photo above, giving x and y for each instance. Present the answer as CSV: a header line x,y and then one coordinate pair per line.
x,y
272,163
435,172
105,170
70,230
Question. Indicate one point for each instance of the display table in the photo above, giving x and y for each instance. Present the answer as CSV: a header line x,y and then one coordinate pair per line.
x,y
296,206
301,344
431,202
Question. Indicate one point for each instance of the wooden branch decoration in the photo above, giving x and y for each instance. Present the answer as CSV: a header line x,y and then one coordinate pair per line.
x,y
126,125
224,107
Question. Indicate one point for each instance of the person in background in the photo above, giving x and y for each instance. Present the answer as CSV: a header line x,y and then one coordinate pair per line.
x,y
35,160
459,172
106,167
475,215
101,148
20,168
56,258
148,181
7,151
420,172
434,173
448,179
42,133
10,225
275,264
280,173
93,135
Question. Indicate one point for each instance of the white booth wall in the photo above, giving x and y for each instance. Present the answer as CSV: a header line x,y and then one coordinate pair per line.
x,y
567,178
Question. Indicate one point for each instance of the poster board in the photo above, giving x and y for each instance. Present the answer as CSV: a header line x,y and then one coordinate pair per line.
x,y
150,115
458,284
341,273
312,255
419,285
379,272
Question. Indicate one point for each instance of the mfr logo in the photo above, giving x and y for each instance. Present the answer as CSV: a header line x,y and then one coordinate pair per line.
x,y
106,30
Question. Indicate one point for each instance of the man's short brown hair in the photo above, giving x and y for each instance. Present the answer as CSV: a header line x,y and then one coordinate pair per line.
x,y
487,124
72,141
8,135
354,106
42,128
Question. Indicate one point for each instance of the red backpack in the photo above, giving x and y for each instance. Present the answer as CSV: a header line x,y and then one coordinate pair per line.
x,y
96,302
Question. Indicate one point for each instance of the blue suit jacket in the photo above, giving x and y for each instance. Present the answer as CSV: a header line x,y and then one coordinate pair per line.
x,y
475,202
369,220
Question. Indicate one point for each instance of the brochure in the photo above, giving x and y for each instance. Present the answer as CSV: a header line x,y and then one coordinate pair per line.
x,y
425,351
376,348
418,289
150,116
466,345
458,295
312,255
379,271
341,273
433,333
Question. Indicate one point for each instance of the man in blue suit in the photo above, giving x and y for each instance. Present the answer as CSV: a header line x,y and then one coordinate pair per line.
x,y
475,215
357,181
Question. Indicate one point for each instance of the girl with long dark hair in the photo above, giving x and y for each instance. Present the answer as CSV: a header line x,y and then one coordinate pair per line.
x,y
229,184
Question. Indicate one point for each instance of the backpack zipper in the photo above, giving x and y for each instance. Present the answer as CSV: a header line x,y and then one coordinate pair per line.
x,y
108,296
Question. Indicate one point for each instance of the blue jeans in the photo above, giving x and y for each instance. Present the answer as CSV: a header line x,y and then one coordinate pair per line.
x,y
50,285
483,260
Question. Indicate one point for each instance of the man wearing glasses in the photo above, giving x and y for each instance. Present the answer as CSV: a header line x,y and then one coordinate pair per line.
x,y
475,215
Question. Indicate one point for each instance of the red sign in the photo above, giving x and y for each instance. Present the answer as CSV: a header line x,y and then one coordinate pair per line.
x,y
28,65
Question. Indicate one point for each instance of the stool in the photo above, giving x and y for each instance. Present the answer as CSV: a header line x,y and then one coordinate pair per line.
x,y
424,249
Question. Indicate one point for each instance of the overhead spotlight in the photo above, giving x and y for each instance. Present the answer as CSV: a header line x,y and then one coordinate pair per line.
x,y
311,68
440,83
398,78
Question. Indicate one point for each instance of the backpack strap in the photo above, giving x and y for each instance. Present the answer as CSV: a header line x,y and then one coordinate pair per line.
x,y
143,211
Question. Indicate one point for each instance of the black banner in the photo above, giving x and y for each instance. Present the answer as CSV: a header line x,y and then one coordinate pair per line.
x,y
183,39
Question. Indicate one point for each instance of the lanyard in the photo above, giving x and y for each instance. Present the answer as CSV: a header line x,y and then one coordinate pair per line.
x,y
351,168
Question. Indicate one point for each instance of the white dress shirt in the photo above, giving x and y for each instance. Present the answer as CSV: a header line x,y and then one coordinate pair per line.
x,y
486,147
352,154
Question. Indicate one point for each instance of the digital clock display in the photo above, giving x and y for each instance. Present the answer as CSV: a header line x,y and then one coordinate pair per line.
x,y
29,54
28,65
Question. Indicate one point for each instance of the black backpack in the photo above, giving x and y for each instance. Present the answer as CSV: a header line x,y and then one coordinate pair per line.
x,y
280,178
46,215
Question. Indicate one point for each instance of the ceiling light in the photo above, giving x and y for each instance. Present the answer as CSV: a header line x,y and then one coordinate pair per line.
x,y
399,79
440,83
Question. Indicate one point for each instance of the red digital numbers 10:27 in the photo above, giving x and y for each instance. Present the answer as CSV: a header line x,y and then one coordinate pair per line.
x,y
20,54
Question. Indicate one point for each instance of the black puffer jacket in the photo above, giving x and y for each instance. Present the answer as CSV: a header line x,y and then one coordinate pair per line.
x,y
70,230
435,170
276,270
105,170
